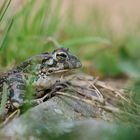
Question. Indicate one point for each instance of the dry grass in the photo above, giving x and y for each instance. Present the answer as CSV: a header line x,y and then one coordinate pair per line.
x,y
110,103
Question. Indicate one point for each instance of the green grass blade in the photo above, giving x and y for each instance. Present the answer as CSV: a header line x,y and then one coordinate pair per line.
x,y
38,21
4,9
86,40
52,25
25,16
3,40
3,6
4,98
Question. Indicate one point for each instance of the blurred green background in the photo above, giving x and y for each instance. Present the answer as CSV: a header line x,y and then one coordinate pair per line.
x,y
105,37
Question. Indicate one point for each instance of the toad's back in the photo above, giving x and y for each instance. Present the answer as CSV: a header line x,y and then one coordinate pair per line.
x,y
35,70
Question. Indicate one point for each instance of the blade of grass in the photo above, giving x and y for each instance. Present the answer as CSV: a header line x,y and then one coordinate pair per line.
x,y
53,23
4,9
25,15
3,6
40,17
3,40
86,40
4,98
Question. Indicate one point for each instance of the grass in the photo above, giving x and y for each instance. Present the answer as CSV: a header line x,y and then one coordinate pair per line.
x,y
3,10
4,99
101,51
31,27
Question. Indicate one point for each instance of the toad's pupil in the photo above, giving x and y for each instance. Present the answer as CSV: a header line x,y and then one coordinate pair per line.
x,y
62,55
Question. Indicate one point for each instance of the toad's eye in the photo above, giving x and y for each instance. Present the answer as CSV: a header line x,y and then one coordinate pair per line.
x,y
61,55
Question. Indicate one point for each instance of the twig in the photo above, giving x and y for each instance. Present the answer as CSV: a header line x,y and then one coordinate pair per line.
x,y
99,93
105,107
112,109
101,84
11,116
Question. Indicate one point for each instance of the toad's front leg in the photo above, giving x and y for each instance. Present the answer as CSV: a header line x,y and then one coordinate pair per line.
x,y
22,91
16,89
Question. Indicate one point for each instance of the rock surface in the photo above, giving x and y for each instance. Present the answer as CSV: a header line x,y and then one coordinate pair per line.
x,y
77,110
53,118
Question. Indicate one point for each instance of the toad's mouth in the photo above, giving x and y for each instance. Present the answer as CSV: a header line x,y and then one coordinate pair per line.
x,y
62,71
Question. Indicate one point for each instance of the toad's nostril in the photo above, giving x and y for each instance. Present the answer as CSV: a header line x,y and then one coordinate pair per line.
x,y
50,71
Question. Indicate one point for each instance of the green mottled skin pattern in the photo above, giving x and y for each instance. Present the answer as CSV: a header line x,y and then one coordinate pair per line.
x,y
40,71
